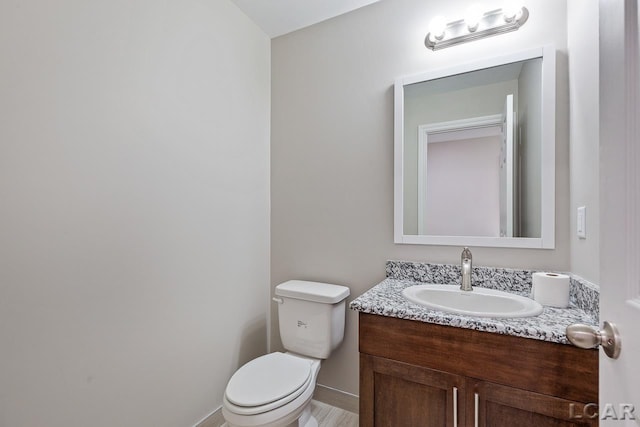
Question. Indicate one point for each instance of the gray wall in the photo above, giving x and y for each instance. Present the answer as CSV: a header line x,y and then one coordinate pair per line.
x,y
134,222
332,149
583,24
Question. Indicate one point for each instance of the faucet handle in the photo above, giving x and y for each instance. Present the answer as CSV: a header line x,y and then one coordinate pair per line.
x,y
466,254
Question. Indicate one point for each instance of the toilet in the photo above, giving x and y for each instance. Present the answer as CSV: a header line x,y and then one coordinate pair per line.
x,y
275,390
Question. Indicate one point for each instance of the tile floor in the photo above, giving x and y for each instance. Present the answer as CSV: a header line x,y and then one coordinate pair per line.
x,y
330,416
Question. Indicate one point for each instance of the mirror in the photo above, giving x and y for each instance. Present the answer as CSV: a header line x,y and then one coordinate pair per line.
x,y
475,153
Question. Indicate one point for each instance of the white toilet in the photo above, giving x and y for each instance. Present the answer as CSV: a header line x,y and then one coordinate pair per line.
x,y
275,390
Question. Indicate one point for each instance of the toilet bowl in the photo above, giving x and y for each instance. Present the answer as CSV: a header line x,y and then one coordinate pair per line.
x,y
275,390
272,391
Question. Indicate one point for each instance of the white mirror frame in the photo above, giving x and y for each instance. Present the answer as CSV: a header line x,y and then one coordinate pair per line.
x,y
548,155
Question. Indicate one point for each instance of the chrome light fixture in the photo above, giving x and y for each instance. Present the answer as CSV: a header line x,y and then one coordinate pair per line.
x,y
475,26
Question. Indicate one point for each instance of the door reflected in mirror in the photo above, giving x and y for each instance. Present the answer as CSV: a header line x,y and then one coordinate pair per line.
x,y
472,155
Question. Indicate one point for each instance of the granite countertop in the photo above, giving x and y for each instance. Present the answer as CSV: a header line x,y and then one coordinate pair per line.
x,y
386,299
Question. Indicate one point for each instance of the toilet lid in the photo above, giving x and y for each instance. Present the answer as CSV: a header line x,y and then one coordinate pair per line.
x,y
267,379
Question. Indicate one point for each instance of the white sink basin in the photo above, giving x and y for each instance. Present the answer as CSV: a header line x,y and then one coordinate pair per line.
x,y
480,302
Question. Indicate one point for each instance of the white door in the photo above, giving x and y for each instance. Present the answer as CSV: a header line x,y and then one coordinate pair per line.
x,y
620,208
506,170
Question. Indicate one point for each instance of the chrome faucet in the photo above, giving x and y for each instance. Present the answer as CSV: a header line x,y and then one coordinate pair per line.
x,y
466,268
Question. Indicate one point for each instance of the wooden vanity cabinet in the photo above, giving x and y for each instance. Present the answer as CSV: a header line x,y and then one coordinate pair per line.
x,y
420,374
393,394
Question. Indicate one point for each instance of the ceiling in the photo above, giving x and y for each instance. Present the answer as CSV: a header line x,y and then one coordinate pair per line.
x,y
278,17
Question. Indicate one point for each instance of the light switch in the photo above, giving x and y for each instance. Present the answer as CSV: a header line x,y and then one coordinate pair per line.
x,y
582,222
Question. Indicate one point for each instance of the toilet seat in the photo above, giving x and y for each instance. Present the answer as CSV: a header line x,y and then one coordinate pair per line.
x,y
268,382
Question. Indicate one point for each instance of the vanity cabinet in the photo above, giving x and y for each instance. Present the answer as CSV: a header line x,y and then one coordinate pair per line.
x,y
499,405
420,374
400,394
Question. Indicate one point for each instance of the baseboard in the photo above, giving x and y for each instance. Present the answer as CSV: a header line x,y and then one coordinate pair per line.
x,y
214,420
338,398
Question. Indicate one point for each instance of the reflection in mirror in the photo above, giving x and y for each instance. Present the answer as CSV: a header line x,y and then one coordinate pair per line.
x,y
470,170
472,155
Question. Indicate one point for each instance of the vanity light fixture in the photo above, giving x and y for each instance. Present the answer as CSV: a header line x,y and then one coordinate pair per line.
x,y
476,25
472,18
436,29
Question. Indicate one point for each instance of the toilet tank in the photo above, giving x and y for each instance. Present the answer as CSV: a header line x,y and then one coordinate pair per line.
x,y
311,316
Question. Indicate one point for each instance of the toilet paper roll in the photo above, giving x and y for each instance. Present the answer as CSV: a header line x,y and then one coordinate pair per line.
x,y
551,289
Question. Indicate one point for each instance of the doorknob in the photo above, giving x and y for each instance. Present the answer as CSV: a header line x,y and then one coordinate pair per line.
x,y
585,336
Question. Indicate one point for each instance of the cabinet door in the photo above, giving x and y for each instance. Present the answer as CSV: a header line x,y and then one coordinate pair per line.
x,y
394,394
493,405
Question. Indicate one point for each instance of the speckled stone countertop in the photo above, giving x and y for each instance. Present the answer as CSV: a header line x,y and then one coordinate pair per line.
x,y
386,299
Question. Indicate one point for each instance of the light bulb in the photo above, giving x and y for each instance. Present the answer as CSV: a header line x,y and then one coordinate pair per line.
x,y
472,17
436,28
512,10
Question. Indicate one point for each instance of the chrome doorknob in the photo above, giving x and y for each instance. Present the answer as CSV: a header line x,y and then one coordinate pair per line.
x,y
585,336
